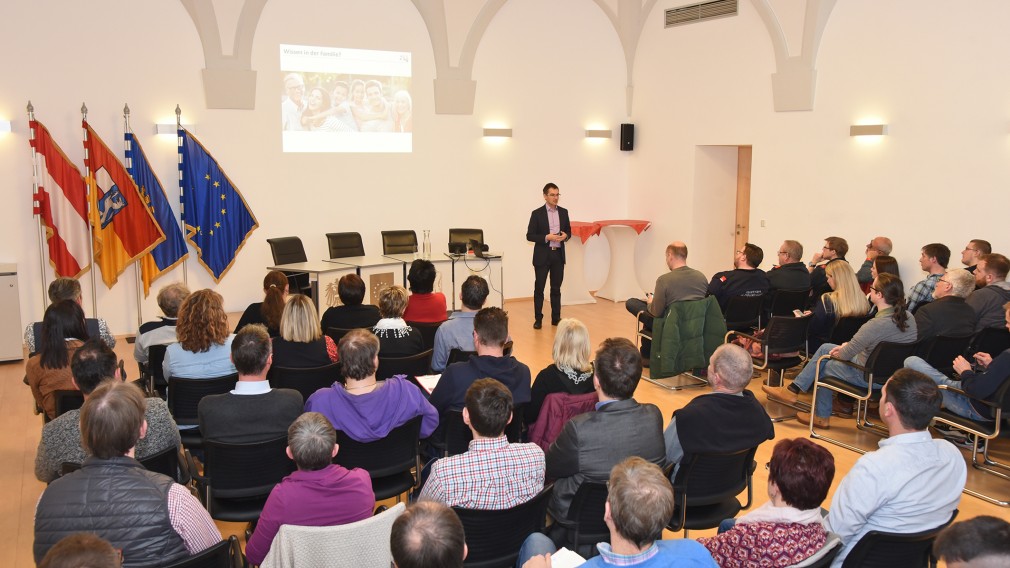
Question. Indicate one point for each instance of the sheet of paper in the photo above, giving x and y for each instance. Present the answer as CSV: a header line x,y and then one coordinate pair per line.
x,y
565,558
428,381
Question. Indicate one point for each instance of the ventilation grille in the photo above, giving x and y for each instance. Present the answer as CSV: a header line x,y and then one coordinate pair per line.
x,y
699,12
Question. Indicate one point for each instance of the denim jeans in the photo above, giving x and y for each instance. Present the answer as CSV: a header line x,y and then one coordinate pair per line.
x,y
534,545
952,401
805,380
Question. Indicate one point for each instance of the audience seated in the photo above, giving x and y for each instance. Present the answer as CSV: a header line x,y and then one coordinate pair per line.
x,y
253,412
892,323
973,251
680,284
913,482
204,347
981,385
789,527
490,331
993,291
82,550
268,312
351,314
427,535
362,408
396,337
884,264
67,289
933,260
571,372
152,519
948,314
457,331
639,506
591,444
728,419
301,342
63,332
845,299
319,494
92,365
423,304
746,279
161,332
879,246
790,273
834,250
982,542
492,474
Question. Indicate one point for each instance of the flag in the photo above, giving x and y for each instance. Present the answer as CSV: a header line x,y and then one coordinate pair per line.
x,y
217,219
61,200
170,253
122,226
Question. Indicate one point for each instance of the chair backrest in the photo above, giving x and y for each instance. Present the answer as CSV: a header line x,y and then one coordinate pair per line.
x,y
337,333
165,462
184,395
362,544
395,453
846,327
886,358
306,381
342,245
287,250
783,302
466,235
67,400
706,479
825,556
493,538
241,471
786,334
458,356
993,340
878,549
743,312
224,554
428,330
398,242
458,434
155,359
412,365
941,351
586,514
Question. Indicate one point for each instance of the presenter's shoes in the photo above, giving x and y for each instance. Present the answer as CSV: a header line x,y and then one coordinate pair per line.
x,y
804,419
537,324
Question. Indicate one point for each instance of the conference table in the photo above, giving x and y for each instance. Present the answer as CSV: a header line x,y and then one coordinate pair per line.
x,y
574,289
622,236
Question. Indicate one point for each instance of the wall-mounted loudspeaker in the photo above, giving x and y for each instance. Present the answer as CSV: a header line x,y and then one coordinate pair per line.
x,y
627,137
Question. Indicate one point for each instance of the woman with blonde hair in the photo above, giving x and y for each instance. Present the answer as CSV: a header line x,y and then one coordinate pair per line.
x,y
268,312
301,343
846,299
396,338
571,372
204,347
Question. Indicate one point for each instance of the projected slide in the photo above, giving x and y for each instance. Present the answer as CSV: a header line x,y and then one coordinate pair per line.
x,y
345,100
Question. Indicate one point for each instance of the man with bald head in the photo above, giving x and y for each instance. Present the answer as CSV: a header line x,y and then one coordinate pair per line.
x,y
680,283
878,246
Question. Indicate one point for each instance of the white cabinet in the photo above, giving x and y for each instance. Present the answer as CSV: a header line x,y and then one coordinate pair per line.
x,y
11,347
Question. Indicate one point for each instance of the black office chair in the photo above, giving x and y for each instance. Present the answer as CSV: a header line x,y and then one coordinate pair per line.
x,y
287,250
399,242
412,365
493,538
464,236
225,554
783,302
165,462
428,330
941,351
238,478
67,400
784,335
993,340
343,245
457,355
337,333
877,549
846,327
706,487
389,461
585,515
305,380
743,313
184,396
152,373
458,434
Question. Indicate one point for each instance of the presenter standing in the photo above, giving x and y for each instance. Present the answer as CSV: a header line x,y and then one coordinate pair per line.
x,y
548,230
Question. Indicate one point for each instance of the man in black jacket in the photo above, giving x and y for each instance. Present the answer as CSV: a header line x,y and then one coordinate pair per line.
x,y
548,230
948,314
790,274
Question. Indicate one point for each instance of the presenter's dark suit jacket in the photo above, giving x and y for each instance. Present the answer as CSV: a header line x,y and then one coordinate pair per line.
x,y
591,444
538,230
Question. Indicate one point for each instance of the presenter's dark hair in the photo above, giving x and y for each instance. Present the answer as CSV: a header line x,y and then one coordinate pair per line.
x,y
618,367
474,292
92,364
351,289
549,187
421,276
427,535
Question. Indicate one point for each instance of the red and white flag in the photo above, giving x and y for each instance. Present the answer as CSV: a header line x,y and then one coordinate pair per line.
x,y
62,202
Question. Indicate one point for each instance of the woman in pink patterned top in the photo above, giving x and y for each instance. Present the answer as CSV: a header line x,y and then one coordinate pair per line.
x,y
789,527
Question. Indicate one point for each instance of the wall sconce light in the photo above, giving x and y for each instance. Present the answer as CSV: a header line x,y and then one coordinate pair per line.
x,y
6,126
599,134
169,128
497,133
868,130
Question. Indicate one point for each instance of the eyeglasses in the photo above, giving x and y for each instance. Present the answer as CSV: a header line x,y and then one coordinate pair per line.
x,y
944,281
827,248
877,290
970,249
783,252
553,195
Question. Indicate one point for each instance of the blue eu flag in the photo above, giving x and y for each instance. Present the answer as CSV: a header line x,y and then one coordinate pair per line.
x,y
217,219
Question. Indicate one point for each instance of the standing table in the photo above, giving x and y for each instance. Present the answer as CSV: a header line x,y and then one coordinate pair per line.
x,y
622,282
573,288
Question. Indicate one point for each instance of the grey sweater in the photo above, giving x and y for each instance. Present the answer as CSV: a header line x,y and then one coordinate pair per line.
x,y
880,328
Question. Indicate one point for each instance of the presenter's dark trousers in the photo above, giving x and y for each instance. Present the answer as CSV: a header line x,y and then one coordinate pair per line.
x,y
555,268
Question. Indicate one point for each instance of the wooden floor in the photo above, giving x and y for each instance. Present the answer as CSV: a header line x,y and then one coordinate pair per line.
x,y
21,428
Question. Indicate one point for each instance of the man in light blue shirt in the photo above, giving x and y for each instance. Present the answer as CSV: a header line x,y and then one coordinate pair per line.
x,y
457,331
912,483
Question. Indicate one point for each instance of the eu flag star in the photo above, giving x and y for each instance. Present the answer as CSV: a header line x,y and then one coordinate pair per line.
x,y
222,211
206,176
217,184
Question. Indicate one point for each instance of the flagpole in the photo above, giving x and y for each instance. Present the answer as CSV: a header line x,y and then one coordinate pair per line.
x,y
182,206
35,192
136,264
91,229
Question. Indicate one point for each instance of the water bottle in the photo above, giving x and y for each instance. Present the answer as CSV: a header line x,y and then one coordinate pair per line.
x,y
427,245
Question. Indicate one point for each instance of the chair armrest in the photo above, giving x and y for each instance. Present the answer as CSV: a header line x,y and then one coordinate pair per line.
x,y
202,482
992,405
744,335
